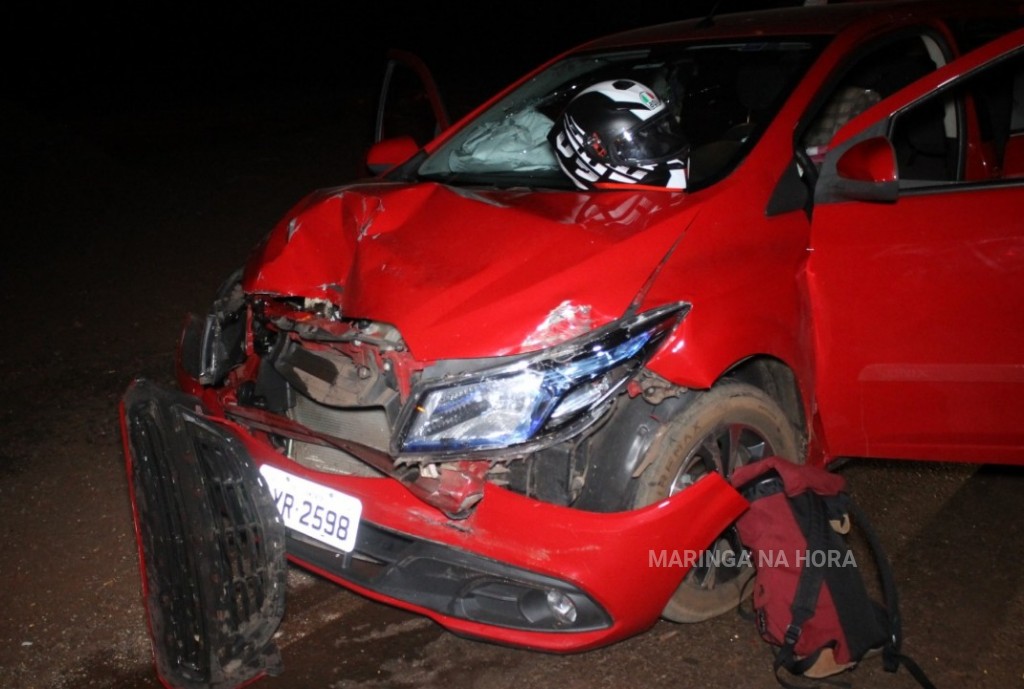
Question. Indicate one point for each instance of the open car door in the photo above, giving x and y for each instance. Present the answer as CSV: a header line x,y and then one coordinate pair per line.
x,y
916,270
410,112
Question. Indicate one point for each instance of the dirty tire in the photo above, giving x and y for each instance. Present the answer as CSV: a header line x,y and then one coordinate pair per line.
x,y
723,428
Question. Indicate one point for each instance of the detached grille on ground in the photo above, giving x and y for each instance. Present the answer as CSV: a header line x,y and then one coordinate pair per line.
x,y
211,544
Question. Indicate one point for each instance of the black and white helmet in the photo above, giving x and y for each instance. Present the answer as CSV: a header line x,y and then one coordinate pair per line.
x,y
619,132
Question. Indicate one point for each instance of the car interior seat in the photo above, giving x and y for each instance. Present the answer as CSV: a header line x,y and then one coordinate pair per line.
x,y
756,90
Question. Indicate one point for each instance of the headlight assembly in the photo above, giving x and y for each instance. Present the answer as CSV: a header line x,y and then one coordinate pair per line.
x,y
534,396
217,345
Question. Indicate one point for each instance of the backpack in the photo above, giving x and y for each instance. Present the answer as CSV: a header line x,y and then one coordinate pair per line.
x,y
810,598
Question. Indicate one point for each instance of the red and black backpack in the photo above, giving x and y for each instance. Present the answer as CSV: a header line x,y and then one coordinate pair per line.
x,y
810,597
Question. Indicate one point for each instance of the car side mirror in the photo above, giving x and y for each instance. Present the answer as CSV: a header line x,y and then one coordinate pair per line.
x,y
863,171
389,153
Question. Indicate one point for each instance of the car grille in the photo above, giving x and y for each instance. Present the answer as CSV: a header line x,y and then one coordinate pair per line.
x,y
366,426
212,544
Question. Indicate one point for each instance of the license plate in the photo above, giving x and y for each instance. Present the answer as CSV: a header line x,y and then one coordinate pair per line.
x,y
319,512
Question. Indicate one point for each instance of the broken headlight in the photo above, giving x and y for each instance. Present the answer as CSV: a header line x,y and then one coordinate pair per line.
x,y
536,395
210,348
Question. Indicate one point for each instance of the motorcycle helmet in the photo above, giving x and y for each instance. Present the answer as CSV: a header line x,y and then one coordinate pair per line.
x,y
620,133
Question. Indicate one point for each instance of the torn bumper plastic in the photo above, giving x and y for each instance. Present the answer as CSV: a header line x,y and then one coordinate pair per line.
x,y
516,571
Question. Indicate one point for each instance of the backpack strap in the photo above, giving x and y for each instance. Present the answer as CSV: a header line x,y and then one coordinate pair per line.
x,y
892,657
805,599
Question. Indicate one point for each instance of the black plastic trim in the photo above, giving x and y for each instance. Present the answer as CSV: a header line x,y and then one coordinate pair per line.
x,y
450,581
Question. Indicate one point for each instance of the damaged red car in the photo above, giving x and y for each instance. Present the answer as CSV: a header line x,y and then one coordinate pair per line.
x,y
497,382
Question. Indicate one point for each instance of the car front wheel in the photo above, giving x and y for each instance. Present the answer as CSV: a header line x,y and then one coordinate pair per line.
x,y
721,429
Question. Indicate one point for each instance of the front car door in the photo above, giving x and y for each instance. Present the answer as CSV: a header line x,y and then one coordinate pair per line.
x,y
916,271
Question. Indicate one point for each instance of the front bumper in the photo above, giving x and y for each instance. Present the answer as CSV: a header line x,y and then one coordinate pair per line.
x,y
487,576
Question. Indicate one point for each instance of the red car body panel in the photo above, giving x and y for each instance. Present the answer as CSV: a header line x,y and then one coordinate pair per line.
x,y
484,287
944,384
608,555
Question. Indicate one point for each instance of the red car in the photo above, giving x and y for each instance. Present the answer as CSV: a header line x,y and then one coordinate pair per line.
x,y
500,383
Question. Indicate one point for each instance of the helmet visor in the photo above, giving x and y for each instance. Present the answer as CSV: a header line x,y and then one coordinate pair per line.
x,y
653,141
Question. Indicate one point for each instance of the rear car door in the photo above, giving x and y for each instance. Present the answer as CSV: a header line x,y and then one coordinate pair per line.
x,y
916,271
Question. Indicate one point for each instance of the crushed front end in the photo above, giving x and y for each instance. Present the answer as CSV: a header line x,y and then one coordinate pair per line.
x,y
494,494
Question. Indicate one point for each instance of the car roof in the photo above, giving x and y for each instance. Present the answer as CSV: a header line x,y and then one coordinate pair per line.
x,y
816,20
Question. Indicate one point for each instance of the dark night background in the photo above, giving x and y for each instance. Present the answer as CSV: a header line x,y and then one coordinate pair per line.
x,y
98,58
91,88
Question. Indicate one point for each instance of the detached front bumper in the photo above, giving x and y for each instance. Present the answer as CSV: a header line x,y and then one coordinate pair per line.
x,y
491,575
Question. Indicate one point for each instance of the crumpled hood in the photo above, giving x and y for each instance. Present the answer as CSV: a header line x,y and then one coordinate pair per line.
x,y
466,274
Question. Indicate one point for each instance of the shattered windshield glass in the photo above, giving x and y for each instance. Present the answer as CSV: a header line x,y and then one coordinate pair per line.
x,y
720,97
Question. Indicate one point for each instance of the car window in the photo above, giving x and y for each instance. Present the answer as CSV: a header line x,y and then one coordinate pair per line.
x,y
877,74
998,96
721,97
406,107
928,144
987,111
